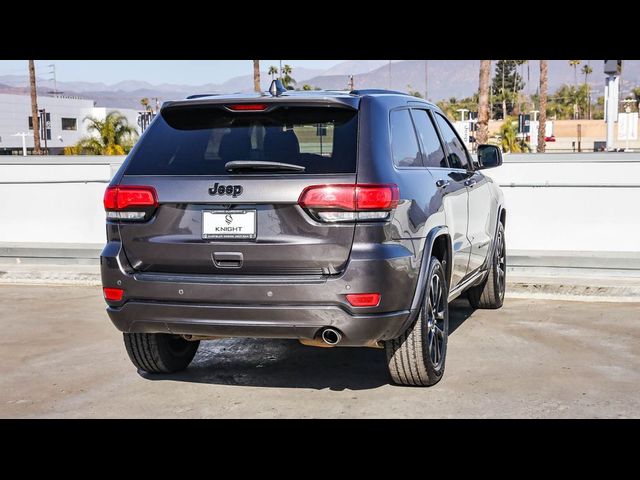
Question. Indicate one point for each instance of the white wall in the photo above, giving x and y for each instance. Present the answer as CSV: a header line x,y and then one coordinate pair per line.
x,y
52,202
554,201
571,206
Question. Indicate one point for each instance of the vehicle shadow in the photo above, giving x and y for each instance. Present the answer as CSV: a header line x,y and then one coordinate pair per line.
x,y
288,364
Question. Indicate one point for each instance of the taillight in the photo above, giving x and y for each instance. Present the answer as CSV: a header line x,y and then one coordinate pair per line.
x,y
343,203
113,294
364,299
130,202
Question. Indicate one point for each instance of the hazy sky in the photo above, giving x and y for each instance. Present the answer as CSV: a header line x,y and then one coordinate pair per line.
x,y
188,72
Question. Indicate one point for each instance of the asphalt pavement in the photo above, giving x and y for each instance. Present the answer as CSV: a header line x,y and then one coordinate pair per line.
x,y
60,357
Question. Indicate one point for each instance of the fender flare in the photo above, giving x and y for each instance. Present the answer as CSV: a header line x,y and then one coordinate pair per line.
x,y
434,233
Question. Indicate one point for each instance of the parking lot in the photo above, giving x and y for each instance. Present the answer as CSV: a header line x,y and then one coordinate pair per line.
x,y
61,357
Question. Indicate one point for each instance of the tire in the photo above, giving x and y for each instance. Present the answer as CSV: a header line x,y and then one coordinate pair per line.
x,y
490,293
417,357
159,352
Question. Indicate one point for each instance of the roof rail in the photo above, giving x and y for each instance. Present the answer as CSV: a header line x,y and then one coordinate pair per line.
x,y
374,91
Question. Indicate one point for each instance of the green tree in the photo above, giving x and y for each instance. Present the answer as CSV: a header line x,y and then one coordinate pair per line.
x,y
113,136
273,71
450,107
145,104
287,80
574,64
414,93
509,137
586,71
506,85
569,102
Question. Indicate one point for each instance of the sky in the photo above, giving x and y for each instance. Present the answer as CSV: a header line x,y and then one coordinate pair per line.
x,y
186,72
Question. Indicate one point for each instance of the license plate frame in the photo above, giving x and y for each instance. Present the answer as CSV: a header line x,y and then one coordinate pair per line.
x,y
210,223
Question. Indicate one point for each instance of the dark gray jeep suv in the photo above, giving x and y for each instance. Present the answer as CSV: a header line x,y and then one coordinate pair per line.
x,y
334,218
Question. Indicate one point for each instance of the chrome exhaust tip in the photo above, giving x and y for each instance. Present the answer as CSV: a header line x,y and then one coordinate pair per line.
x,y
331,336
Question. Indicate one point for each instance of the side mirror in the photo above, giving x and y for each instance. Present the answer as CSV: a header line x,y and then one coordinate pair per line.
x,y
489,156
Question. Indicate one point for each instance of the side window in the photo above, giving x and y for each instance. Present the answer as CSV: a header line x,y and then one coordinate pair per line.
x,y
457,153
431,147
404,144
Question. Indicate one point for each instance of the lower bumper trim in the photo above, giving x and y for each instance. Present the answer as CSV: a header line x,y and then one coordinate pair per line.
x,y
297,322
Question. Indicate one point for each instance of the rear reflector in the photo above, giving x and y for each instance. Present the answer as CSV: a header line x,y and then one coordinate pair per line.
x,y
364,299
350,197
121,197
248,107
113,294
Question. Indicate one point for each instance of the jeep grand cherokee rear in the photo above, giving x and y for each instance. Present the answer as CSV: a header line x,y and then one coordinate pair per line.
x,y
310,216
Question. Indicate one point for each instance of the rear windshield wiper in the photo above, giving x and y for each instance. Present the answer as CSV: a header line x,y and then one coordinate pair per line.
x,y
262,165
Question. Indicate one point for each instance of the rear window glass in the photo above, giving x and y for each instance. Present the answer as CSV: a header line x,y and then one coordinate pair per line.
x,y
201,140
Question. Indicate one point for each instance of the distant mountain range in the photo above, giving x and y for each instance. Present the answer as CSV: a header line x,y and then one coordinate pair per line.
x,y
441,79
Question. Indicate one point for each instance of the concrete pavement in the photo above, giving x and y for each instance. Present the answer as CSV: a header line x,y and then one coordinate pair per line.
x,y
61,357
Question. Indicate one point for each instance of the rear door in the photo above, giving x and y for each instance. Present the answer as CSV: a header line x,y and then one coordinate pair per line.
x,y
452,180
210,220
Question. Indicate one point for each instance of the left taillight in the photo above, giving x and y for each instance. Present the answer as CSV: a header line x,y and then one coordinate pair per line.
x,y
130,203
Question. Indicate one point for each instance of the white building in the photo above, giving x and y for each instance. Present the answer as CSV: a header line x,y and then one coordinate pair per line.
x,y
65,121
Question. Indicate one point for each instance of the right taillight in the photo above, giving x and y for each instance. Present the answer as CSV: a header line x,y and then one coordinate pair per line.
x,y
345,203
130,203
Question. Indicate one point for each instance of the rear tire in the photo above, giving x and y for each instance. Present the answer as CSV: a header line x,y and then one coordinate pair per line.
x,y
159,352
417,357
490,293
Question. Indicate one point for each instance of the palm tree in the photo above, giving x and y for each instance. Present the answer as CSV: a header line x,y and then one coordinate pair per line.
x,y
574,64
256,76
273,71
483,102
509,137
34,109
544,87
145,104
287,80
586,71
114,135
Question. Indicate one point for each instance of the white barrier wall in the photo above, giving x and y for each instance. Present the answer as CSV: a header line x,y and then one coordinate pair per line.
x,y
571,205
53,199
555,202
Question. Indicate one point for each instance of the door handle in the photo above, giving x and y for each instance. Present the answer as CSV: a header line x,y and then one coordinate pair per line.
x,y
471,182
442,183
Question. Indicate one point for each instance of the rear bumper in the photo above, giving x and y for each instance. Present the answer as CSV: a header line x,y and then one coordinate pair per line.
x,y
255,321
271,307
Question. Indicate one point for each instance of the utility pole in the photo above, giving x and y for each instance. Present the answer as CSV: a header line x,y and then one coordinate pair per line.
x,y
280,69
34,109
426,79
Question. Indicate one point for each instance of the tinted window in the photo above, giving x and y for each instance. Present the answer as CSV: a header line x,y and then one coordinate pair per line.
x,y
200,140
404,144
69,124
431,147
457,153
